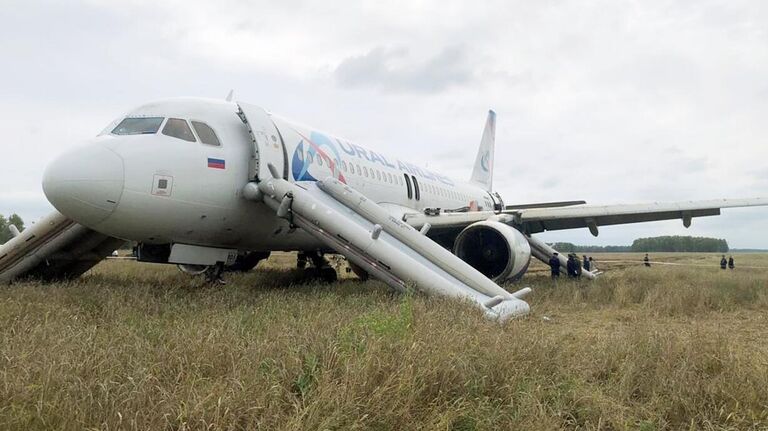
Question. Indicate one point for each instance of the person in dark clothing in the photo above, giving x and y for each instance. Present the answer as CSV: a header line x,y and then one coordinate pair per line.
x,y
723,263
571,266
554,265
647,260
577,266
586,263
592,266
731,264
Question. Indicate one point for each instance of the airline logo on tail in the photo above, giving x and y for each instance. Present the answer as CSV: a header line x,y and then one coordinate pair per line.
x,y
484,161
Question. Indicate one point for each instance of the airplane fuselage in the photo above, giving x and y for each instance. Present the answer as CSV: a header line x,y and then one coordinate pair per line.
x,y
165,185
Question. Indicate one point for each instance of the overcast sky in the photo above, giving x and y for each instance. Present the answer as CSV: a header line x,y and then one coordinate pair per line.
x,y
606,101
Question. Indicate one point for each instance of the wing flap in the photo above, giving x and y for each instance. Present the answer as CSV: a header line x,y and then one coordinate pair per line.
x,y
544,219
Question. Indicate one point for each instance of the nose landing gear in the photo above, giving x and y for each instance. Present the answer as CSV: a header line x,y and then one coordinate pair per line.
x,y
213,274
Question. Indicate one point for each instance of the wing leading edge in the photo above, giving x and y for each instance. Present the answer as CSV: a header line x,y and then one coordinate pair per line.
x,y
536,220
543,219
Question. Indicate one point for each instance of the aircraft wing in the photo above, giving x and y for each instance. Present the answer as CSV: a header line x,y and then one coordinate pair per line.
x,y
535,220
54,248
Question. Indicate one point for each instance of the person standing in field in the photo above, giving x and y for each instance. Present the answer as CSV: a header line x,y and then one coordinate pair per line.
x,y
586,263
647,260
592,264
723,262
577,265
554,265
731,264
570,266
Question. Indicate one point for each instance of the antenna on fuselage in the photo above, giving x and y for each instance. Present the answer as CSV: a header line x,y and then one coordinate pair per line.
x,y
230,95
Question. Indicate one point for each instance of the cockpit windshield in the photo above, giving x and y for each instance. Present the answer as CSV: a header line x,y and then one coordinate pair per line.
x,y
178,128
138,126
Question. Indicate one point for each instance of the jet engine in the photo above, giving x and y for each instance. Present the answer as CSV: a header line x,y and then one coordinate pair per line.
x,y
498,251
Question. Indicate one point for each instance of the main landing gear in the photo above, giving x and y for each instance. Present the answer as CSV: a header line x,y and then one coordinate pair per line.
x,y
318,266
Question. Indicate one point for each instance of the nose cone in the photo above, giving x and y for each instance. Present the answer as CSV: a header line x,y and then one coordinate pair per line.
x,y
85,184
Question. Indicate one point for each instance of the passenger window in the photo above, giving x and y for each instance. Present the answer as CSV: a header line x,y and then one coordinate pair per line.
x,y
416,188
138,126
205,133
378,175
357,168
319,160
344,165
365,171
310,157
408,186
178,128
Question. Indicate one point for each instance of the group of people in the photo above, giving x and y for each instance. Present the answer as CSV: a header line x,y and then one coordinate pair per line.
x,y
729,263
573,265
724,263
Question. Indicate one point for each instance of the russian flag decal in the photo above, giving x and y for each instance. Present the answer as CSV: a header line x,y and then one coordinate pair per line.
x,y
216,163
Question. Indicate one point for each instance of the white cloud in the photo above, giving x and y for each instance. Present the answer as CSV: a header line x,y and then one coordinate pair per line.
x,y
608,101
395,70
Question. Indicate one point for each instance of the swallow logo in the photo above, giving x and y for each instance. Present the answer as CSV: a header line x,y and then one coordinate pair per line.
x,y
309,151
484,161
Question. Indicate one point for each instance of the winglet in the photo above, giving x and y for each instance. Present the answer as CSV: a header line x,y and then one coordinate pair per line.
x,y
482,174
230,95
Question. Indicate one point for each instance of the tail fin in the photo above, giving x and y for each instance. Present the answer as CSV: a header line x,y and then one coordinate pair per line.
x,y
482,174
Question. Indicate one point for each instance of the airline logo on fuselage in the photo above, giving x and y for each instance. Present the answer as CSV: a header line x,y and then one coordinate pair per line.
x,y
317,146
320,145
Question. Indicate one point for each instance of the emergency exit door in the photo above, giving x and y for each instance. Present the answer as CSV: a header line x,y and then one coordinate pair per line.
x,y
268,147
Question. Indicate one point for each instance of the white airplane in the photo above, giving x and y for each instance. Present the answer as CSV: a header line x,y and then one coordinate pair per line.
x,y
205,184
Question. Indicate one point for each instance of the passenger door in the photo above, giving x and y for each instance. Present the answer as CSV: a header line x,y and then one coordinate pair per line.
x,y
268,147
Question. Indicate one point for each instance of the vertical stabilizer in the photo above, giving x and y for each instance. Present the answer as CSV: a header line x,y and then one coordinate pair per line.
x,y
482,174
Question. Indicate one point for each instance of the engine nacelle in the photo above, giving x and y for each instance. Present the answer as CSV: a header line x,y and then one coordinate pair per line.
x,y
498,251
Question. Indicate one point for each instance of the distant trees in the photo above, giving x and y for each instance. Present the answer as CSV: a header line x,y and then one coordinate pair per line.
x,y
5,233
680,243
567,247
655,244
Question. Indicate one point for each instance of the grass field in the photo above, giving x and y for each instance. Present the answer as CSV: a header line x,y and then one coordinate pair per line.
x,y
137,346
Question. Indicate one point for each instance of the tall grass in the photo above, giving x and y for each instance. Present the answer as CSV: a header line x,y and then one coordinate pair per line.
x,y
134,346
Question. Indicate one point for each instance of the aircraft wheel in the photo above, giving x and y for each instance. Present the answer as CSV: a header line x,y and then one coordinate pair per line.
x,y
193,269
359,272
328,274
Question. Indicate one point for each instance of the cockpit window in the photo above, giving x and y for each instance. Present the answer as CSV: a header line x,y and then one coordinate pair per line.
x,y
138,126
178,128
205,133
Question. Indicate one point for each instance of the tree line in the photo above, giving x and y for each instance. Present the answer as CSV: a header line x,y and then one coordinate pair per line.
x,y
680,243
653,244
567,247
5,232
